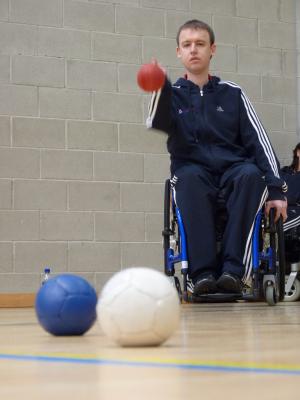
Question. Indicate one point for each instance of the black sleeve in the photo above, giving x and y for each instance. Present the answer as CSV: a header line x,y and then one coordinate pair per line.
x,y
160,109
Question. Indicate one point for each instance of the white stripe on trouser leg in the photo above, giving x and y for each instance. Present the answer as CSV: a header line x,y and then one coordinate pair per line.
x,y
247,260
173,181
291,223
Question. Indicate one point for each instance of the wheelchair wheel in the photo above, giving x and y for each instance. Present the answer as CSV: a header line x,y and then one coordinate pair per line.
x,y
167,228
270,295
278,261
294,293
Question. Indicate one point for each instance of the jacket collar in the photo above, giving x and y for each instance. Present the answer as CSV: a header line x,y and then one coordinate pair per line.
x,y
209,86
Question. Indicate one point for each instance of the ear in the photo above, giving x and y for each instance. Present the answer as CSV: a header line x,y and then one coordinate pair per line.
x,y
178,52
213,50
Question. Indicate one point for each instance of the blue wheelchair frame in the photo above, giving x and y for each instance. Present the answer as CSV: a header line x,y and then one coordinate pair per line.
x,y
268,262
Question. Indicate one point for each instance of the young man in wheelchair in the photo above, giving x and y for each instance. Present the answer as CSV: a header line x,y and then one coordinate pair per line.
x,y
216,144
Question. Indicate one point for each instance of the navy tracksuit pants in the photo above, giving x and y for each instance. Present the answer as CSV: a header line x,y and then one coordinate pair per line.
x,y
293,219
196,192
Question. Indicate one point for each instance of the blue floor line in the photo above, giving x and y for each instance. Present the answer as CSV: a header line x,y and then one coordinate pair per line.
x,y
144,364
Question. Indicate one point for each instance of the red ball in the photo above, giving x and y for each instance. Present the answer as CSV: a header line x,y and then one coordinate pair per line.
x,y
150,77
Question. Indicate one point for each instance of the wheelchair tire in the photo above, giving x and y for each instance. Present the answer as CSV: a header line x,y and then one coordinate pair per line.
x,y
166,231
277,245
280,264
270,295
294,293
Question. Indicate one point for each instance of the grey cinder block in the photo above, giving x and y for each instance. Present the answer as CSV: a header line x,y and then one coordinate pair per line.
x,y
119,226
117,107
225,59
36,12
66,164
163,49
19,163
141,197
89,16
99,257
92,75
6,257
65,103
38,132
113,47
19,225
167,4
127,78
4,7
18,38
38,71
4,131
64,43
157,168
4,69
137,138
62,225
279,90
18,100
237,31
222,7
40,195
277,35
5,194
154,227
19,283
259,61
142,254
266,10
271,115
88,135
102,196
139,21
120,167
35,256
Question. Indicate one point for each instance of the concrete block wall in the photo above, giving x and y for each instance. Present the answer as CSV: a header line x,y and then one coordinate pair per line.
x,y
81,179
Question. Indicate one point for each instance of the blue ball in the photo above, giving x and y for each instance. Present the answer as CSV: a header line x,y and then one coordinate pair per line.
x,y
66,305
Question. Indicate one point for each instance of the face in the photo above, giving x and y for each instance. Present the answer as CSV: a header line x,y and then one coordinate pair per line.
x,y
195,50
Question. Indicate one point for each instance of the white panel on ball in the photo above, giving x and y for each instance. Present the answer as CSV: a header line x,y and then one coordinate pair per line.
x,y
138,307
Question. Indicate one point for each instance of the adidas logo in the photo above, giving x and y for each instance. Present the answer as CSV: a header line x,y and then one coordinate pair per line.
x,y
219,109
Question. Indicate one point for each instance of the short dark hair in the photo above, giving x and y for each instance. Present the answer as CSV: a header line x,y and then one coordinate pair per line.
x,y
196,24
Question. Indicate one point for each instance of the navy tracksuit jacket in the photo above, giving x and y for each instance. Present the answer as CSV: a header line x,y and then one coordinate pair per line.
x,y
216,144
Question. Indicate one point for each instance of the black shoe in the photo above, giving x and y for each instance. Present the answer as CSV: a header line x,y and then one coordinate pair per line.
x,y
205,284
229,283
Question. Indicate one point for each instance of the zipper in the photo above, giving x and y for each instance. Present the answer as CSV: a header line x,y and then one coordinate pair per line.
x,y
201,92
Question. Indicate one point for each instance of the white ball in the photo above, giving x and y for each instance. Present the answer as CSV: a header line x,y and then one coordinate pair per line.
x,y
138,307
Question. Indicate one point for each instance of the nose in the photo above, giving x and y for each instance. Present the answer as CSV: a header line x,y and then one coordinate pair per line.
x,y
193,48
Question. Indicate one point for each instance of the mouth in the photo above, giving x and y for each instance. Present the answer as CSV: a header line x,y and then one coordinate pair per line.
x,y
194,59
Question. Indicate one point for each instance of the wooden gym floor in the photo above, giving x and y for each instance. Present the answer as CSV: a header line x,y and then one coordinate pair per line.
x,y
220,351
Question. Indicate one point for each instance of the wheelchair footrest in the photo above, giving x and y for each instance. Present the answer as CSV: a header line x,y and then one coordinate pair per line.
x,y
217,298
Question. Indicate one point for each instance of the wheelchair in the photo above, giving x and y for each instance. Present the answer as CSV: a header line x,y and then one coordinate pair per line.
x,y
292,256
268,256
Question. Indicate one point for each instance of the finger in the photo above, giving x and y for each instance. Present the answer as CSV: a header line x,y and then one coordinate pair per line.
x,y
277,213
267,209
284,214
